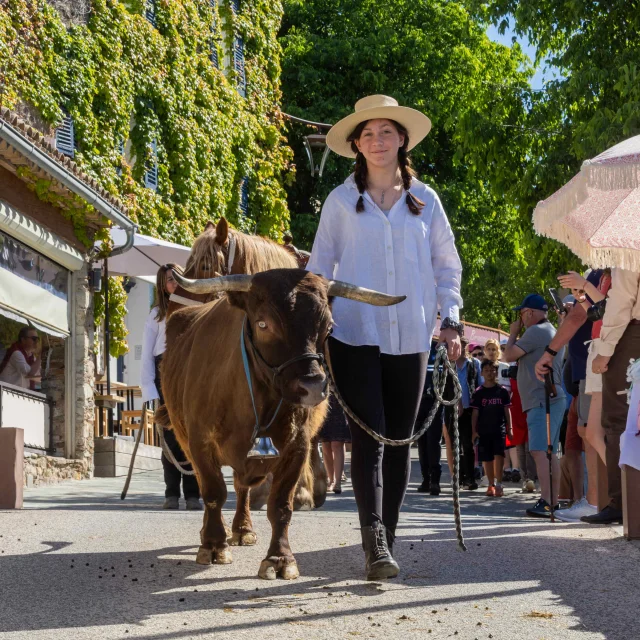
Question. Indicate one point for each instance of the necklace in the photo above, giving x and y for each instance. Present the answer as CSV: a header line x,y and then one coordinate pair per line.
x,y
384,191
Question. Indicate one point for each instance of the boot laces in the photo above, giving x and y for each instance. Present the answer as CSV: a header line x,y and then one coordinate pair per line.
x,y
380,543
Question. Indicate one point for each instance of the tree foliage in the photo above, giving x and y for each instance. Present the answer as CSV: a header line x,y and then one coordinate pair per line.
x,y
430,55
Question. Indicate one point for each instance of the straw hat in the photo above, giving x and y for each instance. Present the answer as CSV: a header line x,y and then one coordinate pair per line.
x,y
370,108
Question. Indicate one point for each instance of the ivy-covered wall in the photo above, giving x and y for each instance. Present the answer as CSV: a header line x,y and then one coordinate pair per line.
x,y
123,79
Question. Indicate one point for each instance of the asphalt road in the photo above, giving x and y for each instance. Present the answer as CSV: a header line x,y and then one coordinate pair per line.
x,y
77,563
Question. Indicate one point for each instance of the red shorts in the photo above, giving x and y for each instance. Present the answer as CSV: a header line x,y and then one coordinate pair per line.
x,y
572,440
518,419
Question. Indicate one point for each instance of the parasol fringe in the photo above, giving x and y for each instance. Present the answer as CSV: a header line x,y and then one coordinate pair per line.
x,y
593,175
595,257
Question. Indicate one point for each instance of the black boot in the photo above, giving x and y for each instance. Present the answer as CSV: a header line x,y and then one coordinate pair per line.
x,y
434,484
379,562
391,538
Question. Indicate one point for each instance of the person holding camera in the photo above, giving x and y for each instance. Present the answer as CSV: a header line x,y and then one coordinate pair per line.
x,y
576,331
619,343
526,350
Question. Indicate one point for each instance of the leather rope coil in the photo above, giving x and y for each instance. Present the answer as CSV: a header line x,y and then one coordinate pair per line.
x,y
439,382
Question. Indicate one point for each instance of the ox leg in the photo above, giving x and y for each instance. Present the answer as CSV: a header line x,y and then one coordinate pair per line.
x,y
213,535
242,533
280,560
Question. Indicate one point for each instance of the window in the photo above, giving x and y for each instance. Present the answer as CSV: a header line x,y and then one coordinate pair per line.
x,y
238,65
150,11
235,6
65,138
215,30
214,53
244,196
151,168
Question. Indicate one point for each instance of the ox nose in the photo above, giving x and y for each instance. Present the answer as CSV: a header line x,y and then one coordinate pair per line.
x,y
312,389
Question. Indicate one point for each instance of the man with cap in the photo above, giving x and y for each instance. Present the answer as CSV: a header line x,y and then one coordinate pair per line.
x,y
527,350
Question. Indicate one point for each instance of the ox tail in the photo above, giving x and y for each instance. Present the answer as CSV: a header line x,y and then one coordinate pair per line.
x,y
162,417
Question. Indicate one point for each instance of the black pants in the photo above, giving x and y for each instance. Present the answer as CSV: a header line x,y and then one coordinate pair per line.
x,y
429,447
172,476
384,391
467,453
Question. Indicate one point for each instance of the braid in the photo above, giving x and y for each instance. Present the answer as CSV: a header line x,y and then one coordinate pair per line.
x,y
360,176
406,171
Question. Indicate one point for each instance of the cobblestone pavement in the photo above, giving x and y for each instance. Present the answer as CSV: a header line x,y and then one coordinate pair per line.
x,y
77,563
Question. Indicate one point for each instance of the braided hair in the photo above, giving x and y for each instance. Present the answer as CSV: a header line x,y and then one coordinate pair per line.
x,y
404,162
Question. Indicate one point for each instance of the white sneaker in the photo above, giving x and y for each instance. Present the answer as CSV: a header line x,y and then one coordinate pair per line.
x,y
528,486
576,511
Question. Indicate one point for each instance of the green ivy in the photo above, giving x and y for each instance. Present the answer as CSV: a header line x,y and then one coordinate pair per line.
x,y
117,311
121,78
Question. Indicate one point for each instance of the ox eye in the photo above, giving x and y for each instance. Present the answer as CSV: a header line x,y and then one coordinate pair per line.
x,y
262,324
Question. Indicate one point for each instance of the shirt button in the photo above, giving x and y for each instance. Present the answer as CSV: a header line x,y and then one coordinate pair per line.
x,y
393,322
390,273
389,247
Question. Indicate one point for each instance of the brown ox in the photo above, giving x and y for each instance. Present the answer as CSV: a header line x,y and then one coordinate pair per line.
x,y
209,406
219,250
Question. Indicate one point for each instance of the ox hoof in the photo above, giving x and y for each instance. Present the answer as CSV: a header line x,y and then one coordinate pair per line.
x,y
243,539
303,500
289,571
271,568
222,556
204,556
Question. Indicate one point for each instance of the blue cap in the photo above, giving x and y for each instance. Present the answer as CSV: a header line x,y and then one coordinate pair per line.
x,y
533,301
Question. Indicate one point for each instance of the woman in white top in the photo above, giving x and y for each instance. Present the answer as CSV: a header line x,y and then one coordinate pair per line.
x,y
153,347
385,230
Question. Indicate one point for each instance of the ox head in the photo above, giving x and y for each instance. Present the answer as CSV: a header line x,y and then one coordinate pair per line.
x,y
288,315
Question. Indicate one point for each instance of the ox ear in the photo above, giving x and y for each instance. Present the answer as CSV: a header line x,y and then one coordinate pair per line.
x,y
222,231
239,300
209,226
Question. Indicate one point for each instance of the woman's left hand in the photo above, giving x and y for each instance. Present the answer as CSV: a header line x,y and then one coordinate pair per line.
x,y
451,338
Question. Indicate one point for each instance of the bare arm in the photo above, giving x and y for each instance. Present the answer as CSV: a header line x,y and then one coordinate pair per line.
x,y
507,417
474,424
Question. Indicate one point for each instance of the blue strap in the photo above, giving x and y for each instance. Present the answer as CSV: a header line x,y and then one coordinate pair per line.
x,y
247,373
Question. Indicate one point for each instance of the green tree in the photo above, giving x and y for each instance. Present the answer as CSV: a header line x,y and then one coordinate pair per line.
x,y
433,56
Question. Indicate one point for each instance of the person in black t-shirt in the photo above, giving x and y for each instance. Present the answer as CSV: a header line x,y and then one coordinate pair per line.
x,y
490,422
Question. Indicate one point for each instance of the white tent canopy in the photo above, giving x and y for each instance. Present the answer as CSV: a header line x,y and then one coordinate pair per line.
x,y
146,256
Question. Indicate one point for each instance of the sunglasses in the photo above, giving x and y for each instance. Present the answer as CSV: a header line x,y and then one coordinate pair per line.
x,y
477,353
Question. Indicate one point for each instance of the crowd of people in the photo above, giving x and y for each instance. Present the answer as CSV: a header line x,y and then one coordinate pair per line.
x,y
502,414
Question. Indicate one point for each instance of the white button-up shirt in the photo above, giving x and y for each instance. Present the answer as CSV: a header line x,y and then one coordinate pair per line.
x,y
154,343
399,254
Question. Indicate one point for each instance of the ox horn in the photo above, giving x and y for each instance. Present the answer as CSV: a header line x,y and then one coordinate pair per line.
x,y
341,289
240,282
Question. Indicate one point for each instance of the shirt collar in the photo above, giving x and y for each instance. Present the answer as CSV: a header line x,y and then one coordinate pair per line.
x,y
350,182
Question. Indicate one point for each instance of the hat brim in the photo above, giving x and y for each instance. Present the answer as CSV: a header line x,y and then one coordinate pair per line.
x,y
415,122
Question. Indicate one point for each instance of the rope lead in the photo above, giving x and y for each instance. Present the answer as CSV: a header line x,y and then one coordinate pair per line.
x,y
439,382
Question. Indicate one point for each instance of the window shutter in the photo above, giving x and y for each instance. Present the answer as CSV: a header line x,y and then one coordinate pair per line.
x,y
120,150
244,196
150,11
65,138
214,54
235,6
151,169
238,65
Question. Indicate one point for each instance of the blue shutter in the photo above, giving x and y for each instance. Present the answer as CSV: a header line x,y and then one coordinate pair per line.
x,y
151,169
238,65
120,150
150,11
235,6
214,54
65,138
244,196
214,35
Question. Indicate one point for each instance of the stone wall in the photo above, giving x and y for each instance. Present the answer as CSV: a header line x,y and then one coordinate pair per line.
x,y
40,470
53,385
84,368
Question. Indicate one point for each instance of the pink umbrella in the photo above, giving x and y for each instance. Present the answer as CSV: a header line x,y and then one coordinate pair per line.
x,y
597,213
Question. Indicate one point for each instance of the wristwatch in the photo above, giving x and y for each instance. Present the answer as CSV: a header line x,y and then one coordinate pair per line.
x,y
448,323
551,351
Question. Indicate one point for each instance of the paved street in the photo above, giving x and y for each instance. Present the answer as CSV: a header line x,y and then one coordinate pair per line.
x,y
79,563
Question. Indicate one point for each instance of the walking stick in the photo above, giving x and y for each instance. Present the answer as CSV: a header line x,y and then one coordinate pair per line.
x,y
549,392
123,495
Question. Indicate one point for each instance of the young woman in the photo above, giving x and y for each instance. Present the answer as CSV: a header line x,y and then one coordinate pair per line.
x,y
153,346
383,229
334,437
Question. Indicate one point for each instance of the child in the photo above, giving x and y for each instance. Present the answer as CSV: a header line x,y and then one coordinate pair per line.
x,y
491,415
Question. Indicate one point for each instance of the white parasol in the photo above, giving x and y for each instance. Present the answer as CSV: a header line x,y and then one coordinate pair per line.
x,y
146,256
597,213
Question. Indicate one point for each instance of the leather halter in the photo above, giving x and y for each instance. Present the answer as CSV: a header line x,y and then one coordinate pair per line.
x,y
245,332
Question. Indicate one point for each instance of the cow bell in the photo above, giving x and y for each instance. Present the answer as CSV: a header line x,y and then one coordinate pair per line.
x,y
263,448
